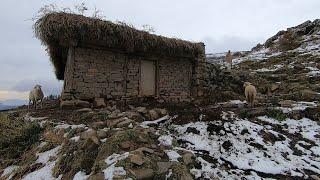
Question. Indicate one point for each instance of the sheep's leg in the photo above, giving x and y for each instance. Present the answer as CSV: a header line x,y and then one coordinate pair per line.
x,y
250,100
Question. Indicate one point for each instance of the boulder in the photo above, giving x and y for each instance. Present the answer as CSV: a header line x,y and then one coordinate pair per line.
x,y
152,114
99,103
115,114
90,134
142,173
80,103
315,177
274,87
66,104
134,116
136,159
102,134
163,167
309,95
114,122
99,124
126,145
187,158
142,110
161,112
124,123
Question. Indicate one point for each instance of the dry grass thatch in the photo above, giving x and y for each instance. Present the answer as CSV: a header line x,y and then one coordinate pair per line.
x,y
56,30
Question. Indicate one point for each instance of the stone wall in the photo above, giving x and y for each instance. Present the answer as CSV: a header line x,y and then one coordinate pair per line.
x,y
175,79
94,73
221,84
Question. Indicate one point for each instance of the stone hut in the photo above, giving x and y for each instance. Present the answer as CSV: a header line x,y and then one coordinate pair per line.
x,y
98,58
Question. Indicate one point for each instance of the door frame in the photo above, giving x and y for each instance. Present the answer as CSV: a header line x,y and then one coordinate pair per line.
x,y
156,74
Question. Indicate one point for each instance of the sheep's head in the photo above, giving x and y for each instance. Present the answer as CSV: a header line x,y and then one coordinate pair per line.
x,y
246,84
37,86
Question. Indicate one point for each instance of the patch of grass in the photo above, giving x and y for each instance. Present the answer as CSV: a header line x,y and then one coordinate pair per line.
x,y
276,114
178,171
16,137
243,114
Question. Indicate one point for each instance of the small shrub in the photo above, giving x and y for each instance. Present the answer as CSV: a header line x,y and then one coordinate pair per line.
x,y
16,136
244,114
276,114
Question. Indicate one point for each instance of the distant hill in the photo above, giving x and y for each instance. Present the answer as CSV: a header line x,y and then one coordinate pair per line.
x,y
12,103
304,37
301,40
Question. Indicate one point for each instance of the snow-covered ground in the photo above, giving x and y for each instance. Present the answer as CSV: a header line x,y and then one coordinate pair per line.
x,y
239,148
259,55
230,148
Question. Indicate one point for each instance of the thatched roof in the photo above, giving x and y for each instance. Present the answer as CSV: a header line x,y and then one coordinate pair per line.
x,y
57,30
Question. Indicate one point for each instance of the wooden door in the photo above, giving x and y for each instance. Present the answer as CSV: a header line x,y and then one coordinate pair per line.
x,y
148,78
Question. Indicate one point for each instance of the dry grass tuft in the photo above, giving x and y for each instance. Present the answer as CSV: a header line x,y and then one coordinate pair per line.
x,y
16,136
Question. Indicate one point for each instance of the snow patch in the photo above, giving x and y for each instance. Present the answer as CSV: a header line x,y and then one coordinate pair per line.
x,y
80,176
173,155
165,140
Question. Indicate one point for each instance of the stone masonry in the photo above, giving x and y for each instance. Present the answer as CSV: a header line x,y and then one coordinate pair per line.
x,y
92,72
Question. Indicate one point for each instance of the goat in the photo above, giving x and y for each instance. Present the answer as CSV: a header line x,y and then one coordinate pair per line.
x,y
250,92
35,95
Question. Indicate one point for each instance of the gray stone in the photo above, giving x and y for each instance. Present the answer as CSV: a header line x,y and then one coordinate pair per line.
x,y
153,115
187,158
142,110
102,134
145,149
84,110
142,173
315,177
99,124
161,112
80,103
124,123
163,167
113,122
136,159
99,102
66,104
90,134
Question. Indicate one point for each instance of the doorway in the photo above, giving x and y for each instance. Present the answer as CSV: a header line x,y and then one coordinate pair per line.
x,y
148,78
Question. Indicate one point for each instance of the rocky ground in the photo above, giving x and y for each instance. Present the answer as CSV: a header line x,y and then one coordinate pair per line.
x,y
221,141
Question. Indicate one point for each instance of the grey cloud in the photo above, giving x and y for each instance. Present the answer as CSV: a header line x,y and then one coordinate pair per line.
x,y
49,86
229,43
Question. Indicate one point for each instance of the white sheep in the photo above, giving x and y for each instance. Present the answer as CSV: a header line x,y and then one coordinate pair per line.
x,y
250,92
35,95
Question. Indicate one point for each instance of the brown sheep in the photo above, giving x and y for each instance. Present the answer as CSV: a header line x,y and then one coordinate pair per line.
x,y
250,92
229,60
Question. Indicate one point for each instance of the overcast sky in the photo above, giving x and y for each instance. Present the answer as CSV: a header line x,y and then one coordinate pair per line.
x,y
221,25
